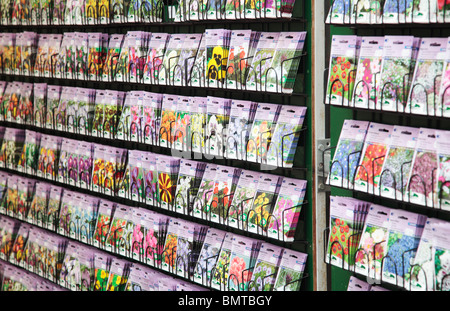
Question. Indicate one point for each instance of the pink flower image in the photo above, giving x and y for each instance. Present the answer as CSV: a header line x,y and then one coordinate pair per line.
x,y
237,273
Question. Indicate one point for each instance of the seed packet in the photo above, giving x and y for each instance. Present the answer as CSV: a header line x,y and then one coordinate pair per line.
x,y
137,180
10,203
25,105
108,169
53,97
340,12
189,178
151,113
41,54
66,225
198,72
261,132
80,111
96,55
70,275
97,13
128,124
208,256
129,56
168,120
139,220
155,57
167,168
442,11
184,66
244,254
220,271
8,42
35,251
404,236
81,58
373,155
266,268
118,275
8,233
39,104
238,58
345,230
244,194
151,193
49,152
28,159
242,113
112,57
284,140
282,73
25,190
421,188
17,254
423,266
203,198
255,218
102,266
397,164
85,164
357,285
54,48
282,221
368,72
442,100
61,113
11,148
119,235
440,257
166,71
7,7
10,101
214,10
218,112
342,69
262,61
54,201
224,187
394,12
426,81
26,49
348,153
104,218
252,9
290,271
38,204
373,243
169,254
396,71
198,119
190,238
443,168
182,123
155,238
86,212
107,108
217,50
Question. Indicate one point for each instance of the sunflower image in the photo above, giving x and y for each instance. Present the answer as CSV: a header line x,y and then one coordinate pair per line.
x,y
166,187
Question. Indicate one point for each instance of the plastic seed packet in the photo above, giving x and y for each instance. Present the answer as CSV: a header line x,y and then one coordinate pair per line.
x,y
242,113
255,219
348,152
184,65
218,113
282,73
425,83
168,120
28,159
290,272
422,182
373,155
340,12
167,168
284,140
342,69
112,57
203,198
266,268
208,256
399,53
345,228
198,121
373,243
357,285
368,72
404,236
220,272
189,178
155,56
443,151
262,61
244,194
397,164
217,50
423,267
261,132
283,220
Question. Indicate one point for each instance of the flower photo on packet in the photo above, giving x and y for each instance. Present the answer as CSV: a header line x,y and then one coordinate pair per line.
x,y
266,268
290,271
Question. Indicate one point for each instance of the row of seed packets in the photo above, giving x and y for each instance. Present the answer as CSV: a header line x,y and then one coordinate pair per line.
x,y
395,246
259,202
235,129
391,73
235,59
232,9
399,162
208,256
388,12
15,279
79,12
